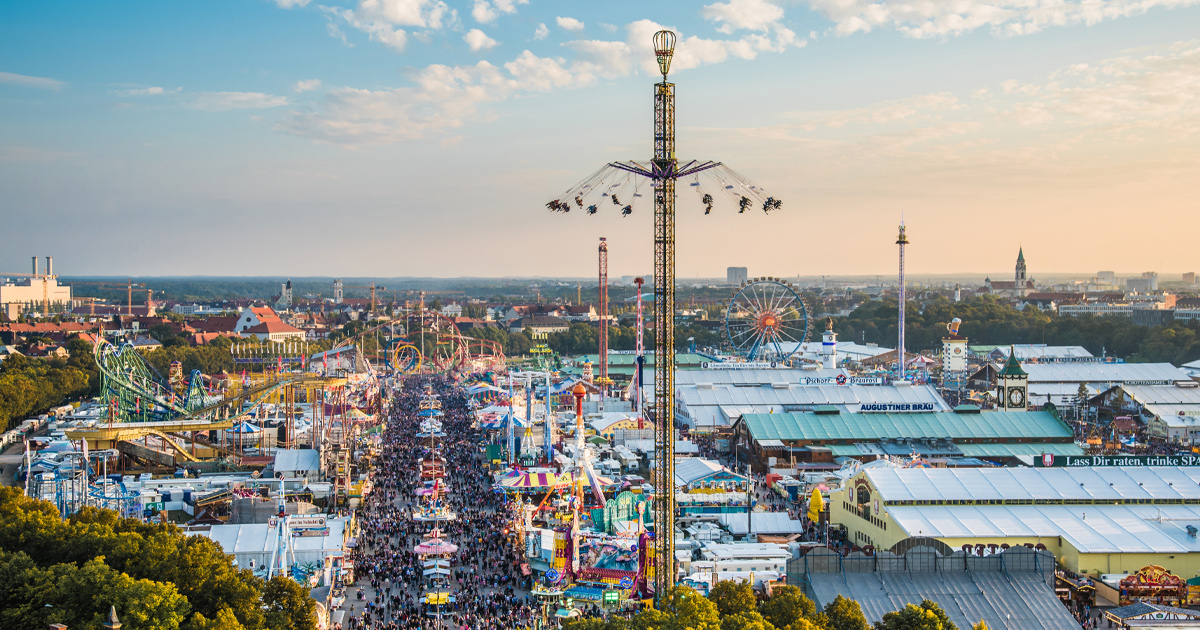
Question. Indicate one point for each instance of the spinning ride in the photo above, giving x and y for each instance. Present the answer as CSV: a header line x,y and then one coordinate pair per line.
x,y
403,357
766,318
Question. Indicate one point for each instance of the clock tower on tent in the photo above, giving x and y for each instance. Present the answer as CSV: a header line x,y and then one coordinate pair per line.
x,y
1012,386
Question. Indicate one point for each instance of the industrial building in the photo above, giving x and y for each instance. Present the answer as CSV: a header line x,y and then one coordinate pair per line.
x,y
1095,520
36,291
768,438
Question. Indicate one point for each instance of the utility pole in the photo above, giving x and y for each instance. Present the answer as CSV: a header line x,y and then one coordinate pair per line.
x,y
603,380
902,240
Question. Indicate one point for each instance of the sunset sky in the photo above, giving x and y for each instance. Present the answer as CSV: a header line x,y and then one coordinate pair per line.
x,y
423,138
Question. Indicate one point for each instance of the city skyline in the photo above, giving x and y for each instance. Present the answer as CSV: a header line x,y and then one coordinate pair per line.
x,y
270,138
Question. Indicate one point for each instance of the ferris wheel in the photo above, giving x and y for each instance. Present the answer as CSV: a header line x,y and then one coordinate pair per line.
x,y
766,318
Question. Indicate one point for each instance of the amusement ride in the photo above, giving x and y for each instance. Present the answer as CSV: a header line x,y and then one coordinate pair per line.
x,y
621,184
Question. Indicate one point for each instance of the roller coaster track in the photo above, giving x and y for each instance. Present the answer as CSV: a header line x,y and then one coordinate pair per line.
x,y
141,397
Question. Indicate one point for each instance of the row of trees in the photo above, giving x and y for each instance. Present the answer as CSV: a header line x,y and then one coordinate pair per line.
x,y
71,571
32,386
733,606
583,338
988,321
985,321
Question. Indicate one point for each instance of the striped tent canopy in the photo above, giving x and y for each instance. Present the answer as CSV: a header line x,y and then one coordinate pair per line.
x,y
529,482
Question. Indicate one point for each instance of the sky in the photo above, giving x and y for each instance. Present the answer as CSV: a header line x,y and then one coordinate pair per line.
x,y
424,137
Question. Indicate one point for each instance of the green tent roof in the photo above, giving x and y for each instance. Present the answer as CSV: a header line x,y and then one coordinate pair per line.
x,y
869,427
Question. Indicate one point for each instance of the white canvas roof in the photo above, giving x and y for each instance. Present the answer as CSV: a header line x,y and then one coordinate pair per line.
x,y
297,460
1042,351
1163,394
692,469
1047,484
1088,528
1114,373
762,522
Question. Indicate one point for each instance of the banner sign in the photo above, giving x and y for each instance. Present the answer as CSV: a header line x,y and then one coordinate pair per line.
x,y
1073,461
843,380
748,365
895,407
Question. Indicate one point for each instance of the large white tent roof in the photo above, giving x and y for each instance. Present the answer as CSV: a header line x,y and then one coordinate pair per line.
x,y
1099,483
1115,373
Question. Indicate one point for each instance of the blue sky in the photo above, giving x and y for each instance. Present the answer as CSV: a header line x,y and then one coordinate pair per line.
x,y
421,137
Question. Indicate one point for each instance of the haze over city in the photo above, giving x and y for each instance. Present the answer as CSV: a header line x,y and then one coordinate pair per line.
x,y
271,138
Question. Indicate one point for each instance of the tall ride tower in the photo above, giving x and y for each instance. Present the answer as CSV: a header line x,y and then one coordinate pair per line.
x,y
603,380
613,183
664,174
902,240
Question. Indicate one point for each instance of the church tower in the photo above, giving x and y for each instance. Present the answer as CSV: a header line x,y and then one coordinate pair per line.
x,y
1020,275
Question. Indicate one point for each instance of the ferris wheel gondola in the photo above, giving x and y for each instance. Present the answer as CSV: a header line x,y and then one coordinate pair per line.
x,y
766,318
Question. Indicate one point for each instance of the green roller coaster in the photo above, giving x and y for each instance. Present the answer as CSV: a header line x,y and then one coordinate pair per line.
x,y
142,395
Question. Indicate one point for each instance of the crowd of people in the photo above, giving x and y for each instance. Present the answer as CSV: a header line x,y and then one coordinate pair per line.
x,y
486,585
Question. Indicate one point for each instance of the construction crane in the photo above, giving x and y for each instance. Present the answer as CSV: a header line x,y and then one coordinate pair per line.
x,y
373,289
128,288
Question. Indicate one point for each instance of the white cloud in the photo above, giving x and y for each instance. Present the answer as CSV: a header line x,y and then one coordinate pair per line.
x,y
1118,119
508,6
916,18
335,32
477,40
306,85
569,24
541,32
226,101
384,20
291,4
611,28
147,91
444,98
483,12
755,15
28,81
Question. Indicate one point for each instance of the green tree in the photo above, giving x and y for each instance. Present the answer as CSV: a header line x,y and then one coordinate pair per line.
x,y
844,614
786,606
733,597
980,626
288,605
748,620
682,609
927,616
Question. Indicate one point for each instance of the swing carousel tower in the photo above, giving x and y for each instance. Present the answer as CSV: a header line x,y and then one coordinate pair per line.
x,y
664,171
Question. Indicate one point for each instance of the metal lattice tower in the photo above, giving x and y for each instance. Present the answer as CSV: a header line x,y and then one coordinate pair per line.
x,y
902,240
603,380
622,180
664,175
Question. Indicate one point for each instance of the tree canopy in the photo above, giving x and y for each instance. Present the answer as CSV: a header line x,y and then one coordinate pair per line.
x,y
55,570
